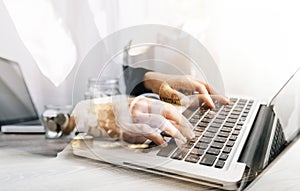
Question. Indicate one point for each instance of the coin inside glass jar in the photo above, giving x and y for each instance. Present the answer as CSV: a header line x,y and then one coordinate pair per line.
x,y
55,119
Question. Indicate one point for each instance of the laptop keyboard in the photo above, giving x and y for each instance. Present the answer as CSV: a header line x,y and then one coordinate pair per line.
x,y
216,131
278,142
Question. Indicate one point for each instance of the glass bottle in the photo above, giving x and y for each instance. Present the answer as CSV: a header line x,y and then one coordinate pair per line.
x,y
55,120
102,88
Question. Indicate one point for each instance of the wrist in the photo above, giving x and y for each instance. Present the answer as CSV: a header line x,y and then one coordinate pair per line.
x,y
95,117
153,81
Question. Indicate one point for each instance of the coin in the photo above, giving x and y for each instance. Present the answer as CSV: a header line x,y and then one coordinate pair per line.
x,y
51,125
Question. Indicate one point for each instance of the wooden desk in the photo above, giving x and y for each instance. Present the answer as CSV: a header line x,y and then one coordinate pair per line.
x,y
33,143
30,162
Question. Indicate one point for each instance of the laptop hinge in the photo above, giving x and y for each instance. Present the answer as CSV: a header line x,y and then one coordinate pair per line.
x,y
255,149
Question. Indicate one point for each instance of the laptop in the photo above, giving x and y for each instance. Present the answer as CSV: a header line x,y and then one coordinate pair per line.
x,y
234,143
17,111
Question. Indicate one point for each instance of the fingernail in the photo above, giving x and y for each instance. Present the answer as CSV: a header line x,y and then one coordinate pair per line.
x,y
164,144
179,143
180,136
191,135
187,128
227,100
212,105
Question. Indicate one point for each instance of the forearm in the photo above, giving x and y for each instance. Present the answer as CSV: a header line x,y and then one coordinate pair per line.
x,y
97,119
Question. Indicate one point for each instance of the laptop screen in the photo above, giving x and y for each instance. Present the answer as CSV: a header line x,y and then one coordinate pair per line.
x,y
287,106
15,101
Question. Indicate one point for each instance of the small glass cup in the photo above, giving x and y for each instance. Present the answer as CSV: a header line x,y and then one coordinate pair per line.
x,y
55,119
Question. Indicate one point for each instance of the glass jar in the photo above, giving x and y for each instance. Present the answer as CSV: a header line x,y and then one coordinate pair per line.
x,y
55,119
102,88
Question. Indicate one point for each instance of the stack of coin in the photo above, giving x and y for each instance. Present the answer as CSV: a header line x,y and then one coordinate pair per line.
x,y
56,121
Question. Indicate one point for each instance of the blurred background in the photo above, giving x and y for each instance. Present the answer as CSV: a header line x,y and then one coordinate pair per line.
x,y
254,43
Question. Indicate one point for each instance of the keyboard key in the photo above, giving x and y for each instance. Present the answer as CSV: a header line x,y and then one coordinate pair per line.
x,y
230,143
229,106
221,117
233,100
243,101
206,120
217,145
213,129
166,151
227,150
198,133
197,116
244,114
208,160
217,125
199,129
202,124
223,156
229,120
238,109
223,113
201,145
232,137
232,116
196,151
227,109
218,121
213,151
243,119
235,132
189,145
226,129
228,124
238,127
210,116
240,123
220,139
235,112
209,135
193,120
223,134
179,154
192,158
220,164
205,140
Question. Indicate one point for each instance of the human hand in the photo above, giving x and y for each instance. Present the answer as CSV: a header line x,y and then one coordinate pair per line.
x,y
179,89
133,120
148,117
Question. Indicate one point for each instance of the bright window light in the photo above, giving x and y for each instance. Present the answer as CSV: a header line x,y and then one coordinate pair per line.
x,y
44,35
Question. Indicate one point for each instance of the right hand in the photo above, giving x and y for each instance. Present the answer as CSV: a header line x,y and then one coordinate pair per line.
x,y
148,117
133,120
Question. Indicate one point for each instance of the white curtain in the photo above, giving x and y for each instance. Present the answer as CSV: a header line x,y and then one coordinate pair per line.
x,y
51,32
58,35
239,34
45,36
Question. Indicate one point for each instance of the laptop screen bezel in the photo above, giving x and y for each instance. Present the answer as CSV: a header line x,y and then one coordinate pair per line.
x,y
18,119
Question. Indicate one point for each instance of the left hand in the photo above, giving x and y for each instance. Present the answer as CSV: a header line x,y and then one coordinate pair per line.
x,y
177,88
